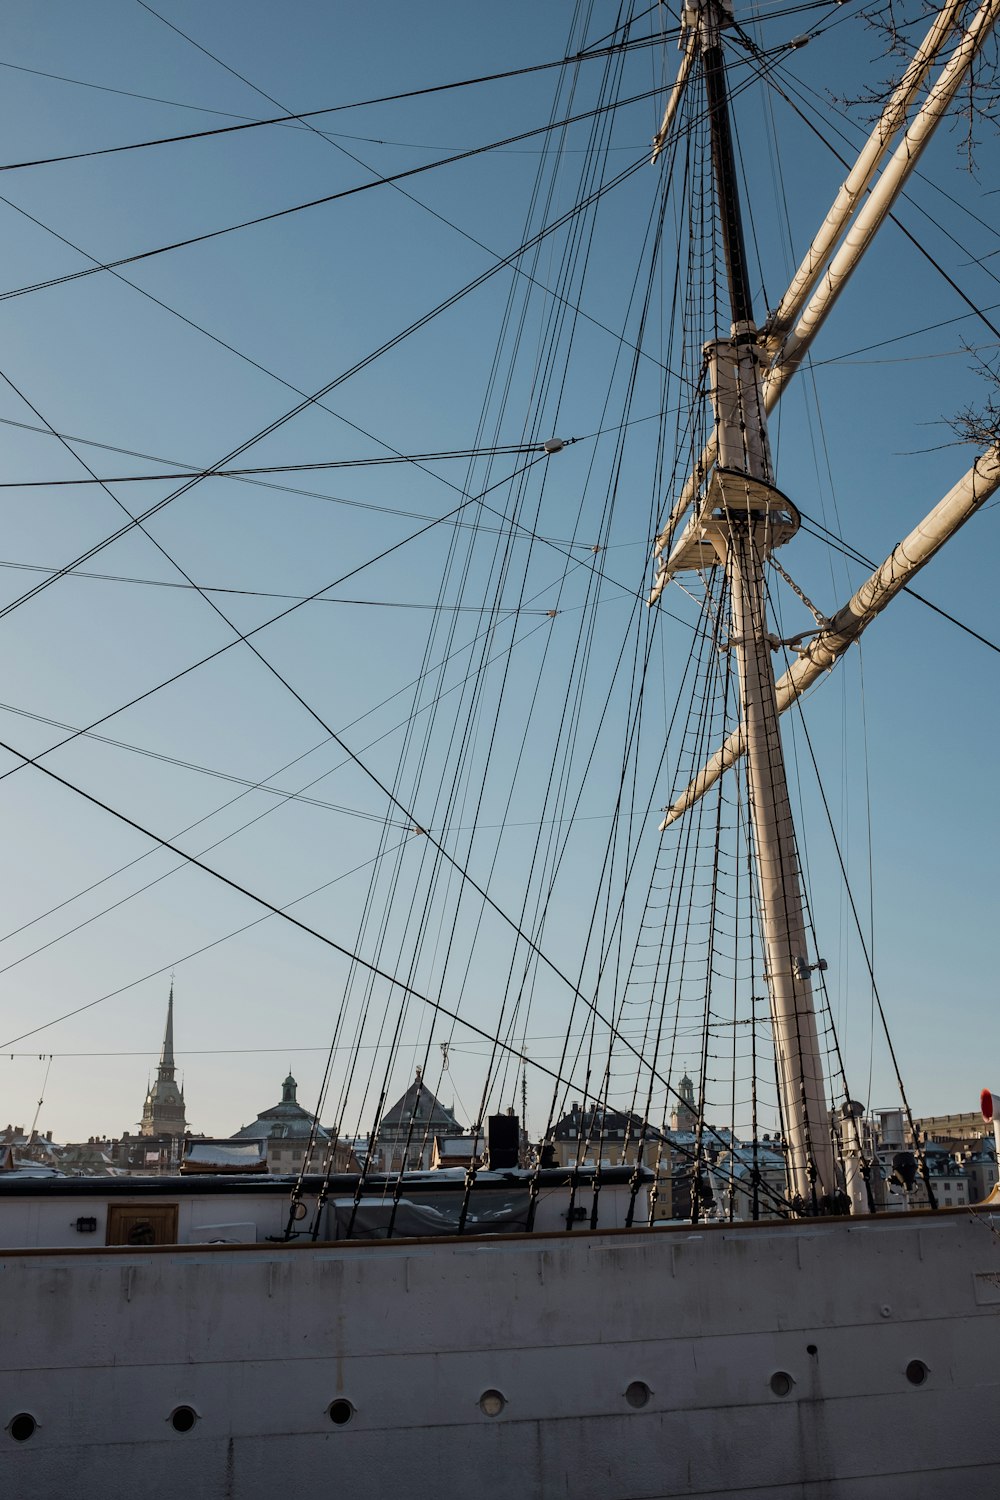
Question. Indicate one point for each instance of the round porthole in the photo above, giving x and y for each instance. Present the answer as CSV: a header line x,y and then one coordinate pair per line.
x,y
340,1412
916,1372
781,1382
637,1393
22,1427
492,1403
183,1418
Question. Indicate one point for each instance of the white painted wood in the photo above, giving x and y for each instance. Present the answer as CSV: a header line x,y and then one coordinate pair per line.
x,y
861,174
676,94
879,202
801,1081
906,559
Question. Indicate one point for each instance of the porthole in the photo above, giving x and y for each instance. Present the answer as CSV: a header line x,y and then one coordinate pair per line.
x,y
340,1412
916,1372
781,1382
810,1348
492,1403
22,1427
637,1393
183,1418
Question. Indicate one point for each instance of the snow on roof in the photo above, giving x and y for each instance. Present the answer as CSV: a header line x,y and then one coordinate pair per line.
x,y
458,1145
245,1156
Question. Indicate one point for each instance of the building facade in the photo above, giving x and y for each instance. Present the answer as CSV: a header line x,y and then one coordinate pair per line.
x,y
407,1132
294,1138
585,1136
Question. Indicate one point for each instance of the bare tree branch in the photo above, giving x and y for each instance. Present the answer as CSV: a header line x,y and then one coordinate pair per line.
x,y
977,110
981,425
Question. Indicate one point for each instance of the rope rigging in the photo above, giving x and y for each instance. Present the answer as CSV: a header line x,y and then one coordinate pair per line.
x,y
460,922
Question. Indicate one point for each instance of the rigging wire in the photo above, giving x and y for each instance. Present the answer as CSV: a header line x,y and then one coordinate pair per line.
x,y
401,191
283,795
379,181
377,460
343,193
199,327
824,534
385,510
248,123
210,588
446,606
147,693
311,400
270,908
557,784
252,648
869,963
468,1048
974,307
283,912
97,264
292,119
556,316
608,948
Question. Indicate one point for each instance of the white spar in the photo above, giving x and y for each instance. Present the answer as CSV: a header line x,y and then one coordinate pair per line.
x,y
892,118
904,561
880,201
676,93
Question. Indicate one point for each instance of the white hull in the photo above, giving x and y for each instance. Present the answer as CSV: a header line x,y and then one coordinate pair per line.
x,y
102,1345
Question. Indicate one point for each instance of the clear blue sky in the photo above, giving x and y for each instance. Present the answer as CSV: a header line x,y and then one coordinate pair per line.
x,y
305,297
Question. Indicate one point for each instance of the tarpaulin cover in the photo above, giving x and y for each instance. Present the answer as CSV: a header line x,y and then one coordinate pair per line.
x,y
489,1213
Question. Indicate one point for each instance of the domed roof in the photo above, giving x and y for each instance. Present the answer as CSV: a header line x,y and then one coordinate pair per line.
x,y
284,1121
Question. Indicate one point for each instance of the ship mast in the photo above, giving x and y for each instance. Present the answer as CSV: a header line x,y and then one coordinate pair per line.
x,y
741,519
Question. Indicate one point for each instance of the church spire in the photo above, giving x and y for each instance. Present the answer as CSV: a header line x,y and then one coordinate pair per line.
x,y
166,1070
163,1111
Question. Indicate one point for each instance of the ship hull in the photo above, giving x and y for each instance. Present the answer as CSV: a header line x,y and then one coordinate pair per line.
x,y
706,1325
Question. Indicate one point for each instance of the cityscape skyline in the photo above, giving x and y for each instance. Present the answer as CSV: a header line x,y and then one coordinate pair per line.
x,y
218,1126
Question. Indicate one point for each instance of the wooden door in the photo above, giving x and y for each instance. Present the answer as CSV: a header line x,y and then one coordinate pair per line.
x,y
142,1224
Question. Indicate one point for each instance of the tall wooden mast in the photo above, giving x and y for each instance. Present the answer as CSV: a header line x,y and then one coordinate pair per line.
x,y
741,518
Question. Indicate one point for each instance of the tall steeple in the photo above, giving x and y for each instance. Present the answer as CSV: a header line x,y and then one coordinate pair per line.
x,y
166,1070
163,1110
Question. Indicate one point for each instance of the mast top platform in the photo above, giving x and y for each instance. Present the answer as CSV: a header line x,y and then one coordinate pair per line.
x,y
734,500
